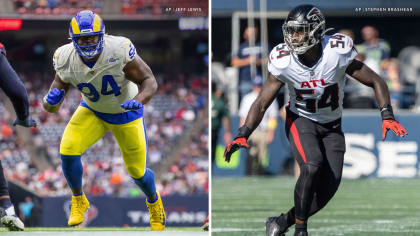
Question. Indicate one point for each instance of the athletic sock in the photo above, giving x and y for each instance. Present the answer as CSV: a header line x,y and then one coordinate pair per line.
x,y
5,203
76,195
154,200
4,189
301,227
73,170
147,183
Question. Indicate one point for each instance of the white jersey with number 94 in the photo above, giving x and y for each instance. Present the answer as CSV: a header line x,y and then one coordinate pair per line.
x,y
104,86
315,92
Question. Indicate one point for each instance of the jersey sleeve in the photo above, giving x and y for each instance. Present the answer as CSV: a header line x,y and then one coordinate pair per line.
x,y
129,51
350,56
344,47
278,60
58,61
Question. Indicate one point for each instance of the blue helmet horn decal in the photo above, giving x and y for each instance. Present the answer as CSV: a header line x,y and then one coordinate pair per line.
x,y
87,23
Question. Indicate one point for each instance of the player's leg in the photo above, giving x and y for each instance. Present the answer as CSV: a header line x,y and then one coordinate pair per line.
x,y
7,211
333,148
132,140
305,147
83,130
4,191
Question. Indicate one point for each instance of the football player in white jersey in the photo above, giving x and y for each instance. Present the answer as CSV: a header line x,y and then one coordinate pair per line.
x,y
314,67
115,84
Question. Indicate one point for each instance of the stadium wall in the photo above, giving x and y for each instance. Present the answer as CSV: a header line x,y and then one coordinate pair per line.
x,y
107,211
366,154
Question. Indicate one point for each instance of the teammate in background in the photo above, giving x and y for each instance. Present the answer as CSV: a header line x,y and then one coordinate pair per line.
x,y
263,135
15,90
115,84
313,65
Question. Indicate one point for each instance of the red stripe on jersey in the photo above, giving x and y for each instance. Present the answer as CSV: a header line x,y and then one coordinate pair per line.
x,y
296,138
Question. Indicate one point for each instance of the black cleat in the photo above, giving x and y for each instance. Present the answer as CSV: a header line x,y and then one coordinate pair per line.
x,y
276,225
301,233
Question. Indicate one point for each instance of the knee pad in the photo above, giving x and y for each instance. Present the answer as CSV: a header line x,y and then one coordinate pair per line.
x,y
70,146
135,171
309,170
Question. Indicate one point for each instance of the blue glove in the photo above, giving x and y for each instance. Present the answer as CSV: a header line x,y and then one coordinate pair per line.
x,y
28,122
132,105
55,96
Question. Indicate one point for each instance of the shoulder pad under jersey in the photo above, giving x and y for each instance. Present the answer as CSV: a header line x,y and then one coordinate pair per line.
x,y
123,47
340,43
280,56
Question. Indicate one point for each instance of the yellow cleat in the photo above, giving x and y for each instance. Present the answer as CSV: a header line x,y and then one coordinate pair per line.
x,y
157,214
79,205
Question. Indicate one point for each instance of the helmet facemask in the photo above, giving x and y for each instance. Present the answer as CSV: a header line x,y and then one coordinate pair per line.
x,y
89,51
307,35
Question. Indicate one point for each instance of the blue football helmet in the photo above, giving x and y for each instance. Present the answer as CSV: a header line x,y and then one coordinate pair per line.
x,y
87,23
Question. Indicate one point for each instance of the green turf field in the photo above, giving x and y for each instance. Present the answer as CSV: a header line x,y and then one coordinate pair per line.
x,y
59,229
367,207
107,231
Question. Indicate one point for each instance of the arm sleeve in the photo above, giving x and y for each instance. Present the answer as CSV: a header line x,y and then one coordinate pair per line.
x,y
14,88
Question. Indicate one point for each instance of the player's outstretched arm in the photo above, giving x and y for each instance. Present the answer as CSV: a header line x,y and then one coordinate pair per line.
x,y
140,73
365,75
269,91
16,91
55,97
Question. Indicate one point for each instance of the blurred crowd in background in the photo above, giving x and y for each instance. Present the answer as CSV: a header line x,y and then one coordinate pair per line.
x,y
56,7
126,7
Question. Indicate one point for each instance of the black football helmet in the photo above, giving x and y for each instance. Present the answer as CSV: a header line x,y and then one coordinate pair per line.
x,y
303,28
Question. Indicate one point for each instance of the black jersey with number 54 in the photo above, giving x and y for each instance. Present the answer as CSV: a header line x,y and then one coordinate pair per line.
x,y
315,92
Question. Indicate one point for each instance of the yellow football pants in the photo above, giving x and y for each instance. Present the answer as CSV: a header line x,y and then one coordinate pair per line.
x,y
85,129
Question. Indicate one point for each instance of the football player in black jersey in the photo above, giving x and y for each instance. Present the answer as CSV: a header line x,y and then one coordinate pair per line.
x,y
313,123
